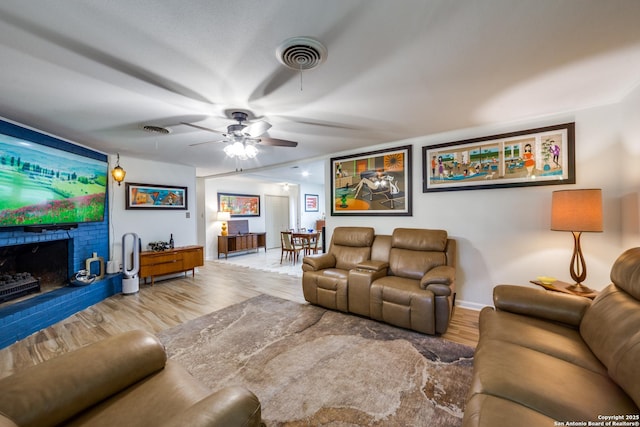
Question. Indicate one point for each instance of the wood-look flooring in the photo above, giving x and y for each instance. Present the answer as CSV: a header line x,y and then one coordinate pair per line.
x,y
174,301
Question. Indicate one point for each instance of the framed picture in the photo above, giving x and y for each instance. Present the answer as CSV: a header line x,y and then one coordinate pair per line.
x,y
239,205
542,156
149,196
311,203
372,183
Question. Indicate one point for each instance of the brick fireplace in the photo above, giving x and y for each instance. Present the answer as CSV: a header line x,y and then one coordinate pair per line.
x,y
19,319
23,318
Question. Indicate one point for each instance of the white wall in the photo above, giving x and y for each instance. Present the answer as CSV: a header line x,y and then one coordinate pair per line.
x,y
308,219
152,225
503,234
629,163
239,185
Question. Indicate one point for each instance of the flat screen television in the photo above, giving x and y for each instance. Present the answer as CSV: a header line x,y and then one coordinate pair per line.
x,y
48,182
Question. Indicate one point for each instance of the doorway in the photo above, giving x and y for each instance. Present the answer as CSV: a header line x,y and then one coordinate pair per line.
x,y
276,218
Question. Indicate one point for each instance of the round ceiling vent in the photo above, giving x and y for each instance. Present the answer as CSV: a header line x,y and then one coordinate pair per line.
x,y
156,129
301,53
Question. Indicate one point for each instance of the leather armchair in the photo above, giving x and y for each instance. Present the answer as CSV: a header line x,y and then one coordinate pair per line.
x,y
325,276
125,380
418,290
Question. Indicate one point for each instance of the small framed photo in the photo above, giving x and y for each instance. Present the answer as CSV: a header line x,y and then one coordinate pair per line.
x,y
239,205
541,156
153,196
311,203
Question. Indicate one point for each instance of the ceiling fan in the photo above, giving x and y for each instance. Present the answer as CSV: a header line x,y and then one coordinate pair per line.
x,y
244,134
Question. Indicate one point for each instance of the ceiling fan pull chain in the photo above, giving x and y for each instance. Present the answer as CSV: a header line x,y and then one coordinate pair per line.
x,y
300,78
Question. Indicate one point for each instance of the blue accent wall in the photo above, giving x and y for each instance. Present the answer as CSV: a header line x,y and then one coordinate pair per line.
x,y
22,319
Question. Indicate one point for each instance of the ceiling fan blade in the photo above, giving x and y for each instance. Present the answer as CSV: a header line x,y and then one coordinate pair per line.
x,y
202,128
256,129
278,142
206,142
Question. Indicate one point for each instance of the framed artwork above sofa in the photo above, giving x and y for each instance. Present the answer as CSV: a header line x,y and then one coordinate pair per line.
x,y
372,183
541,156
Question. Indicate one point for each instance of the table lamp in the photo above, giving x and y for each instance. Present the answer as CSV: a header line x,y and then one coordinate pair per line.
x,y
577,211
224,217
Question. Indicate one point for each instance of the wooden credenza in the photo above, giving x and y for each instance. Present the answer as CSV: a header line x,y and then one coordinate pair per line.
x,y
171,261
241,243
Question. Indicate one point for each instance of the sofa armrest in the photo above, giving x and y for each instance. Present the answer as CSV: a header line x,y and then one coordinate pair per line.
x,y
373,266
440,290
53,391
6,422
318,262
230,406
548,305
441,275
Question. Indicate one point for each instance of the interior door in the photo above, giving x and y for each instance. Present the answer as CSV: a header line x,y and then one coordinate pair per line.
x,y
276,218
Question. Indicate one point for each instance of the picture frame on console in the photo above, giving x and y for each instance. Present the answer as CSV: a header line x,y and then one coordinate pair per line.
x,y
154,196
372,183
239,205
532,157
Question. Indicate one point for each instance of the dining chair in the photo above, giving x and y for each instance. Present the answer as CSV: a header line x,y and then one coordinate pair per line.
x,y
312,243
289,246
301,239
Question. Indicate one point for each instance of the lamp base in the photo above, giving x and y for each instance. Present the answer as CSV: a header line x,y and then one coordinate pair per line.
x,y
579,288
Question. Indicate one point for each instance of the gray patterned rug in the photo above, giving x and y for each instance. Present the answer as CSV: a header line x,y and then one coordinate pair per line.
x,y
312,367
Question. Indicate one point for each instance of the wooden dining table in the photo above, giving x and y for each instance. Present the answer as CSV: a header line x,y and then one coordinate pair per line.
x,y
306,238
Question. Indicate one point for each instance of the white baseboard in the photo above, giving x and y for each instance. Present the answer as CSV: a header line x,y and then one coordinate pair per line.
x,y
470,305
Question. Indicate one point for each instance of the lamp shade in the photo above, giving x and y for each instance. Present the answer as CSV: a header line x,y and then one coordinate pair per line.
x,y
223,216
576,210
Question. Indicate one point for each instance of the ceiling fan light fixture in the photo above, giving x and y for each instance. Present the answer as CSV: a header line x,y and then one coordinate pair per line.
x,y
241,150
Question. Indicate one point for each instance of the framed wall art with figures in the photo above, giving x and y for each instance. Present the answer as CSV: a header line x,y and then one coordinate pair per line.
x,y
372,183
541,156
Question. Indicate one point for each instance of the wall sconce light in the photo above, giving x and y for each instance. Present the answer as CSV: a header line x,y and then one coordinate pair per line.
x,y
224,217
577,211
118,173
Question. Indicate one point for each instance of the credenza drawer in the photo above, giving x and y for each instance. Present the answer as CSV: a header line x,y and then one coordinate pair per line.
x,y
167,267
160,258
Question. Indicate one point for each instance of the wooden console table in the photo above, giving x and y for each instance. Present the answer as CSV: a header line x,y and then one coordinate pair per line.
x,y
171,261
241,243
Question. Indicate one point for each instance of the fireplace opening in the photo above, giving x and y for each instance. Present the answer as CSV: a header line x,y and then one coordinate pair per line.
x,y
31,268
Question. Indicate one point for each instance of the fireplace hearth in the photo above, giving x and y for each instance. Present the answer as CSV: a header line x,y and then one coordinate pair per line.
x,y
33,267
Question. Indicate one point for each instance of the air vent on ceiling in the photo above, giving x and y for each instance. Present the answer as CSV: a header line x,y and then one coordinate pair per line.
x,y
301,53
156,129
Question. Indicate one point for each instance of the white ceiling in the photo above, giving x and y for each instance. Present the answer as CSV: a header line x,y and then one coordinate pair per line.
x,y
95,71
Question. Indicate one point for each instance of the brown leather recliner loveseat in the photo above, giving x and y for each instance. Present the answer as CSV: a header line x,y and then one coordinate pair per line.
x,y
125,380
406,279
546,358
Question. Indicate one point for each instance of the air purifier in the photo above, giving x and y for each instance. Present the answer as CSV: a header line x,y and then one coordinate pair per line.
x,y
130,263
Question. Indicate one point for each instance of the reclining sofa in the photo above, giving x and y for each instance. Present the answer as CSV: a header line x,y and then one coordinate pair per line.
x,y
125,380
546,358
406,279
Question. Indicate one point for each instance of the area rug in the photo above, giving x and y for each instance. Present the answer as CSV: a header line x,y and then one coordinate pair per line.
x,y
315,367
264,261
